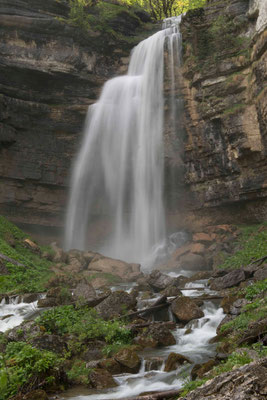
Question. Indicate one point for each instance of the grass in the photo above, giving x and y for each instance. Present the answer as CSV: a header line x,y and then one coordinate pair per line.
x,y
242,321
31,277
251,245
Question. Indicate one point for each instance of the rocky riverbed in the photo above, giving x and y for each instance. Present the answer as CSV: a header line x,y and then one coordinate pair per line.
x,y
107,330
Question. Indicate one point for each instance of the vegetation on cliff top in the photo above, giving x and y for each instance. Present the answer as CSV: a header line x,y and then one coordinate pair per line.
x,y
101,15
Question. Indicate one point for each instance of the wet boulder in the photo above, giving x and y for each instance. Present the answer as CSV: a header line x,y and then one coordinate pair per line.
x,y
199,370
159,281
174,360
23,332
156,335
171,291
185,309
153,363
111,365
30,297
116,304
229,280
129,360
101,379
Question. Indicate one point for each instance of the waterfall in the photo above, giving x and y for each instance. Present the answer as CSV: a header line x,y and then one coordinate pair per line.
x,y
119,169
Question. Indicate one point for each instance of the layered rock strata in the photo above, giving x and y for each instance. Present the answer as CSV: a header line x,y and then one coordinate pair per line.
x,y
50,71
224,90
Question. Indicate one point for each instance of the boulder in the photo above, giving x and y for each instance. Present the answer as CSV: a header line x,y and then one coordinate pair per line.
x,y
198,276
185,309
261,273
153,363
199,370
49,342
237,306
116,304
29,244
84,291
193,262
101,379
171,291
23,331
111,365
174,360
129,360
227,302
47,302
198,248
204,238
246,382
126,271
159,281
30,297
229,280
157,335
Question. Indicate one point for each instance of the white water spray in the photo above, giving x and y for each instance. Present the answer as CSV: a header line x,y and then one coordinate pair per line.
x,y
119,169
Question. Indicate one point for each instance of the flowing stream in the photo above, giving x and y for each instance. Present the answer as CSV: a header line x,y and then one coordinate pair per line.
x,y
194,345
119,169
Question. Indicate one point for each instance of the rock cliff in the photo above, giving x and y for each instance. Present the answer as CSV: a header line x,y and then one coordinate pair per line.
x,y
225,103
50,71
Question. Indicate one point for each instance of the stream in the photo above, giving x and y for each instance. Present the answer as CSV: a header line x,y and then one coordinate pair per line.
x,y
194,345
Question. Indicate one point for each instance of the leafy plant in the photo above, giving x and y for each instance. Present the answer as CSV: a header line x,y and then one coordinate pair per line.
x,y
234,360
84,323
23,367
79,373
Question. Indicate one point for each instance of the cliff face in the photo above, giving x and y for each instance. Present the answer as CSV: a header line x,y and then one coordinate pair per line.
x,y
50,71
225,102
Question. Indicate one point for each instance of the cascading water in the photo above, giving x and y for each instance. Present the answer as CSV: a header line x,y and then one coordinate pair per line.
x,y
119,169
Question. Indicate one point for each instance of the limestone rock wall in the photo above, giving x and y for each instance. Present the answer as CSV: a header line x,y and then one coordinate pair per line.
x,y
50,71
225,102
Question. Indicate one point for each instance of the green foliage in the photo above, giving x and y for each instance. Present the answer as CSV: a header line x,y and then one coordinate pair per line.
x,y
260,349
36,270
192,385
113,348
7,227
78,15
242,321
252,246
255,289
160,9
234,360
84,323
23,367
78,373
